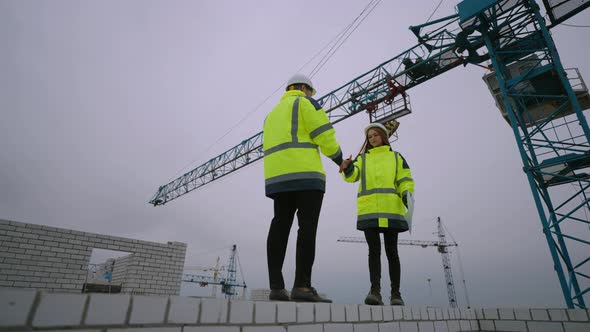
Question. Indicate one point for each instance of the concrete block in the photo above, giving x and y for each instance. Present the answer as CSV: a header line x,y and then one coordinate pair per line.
x,y
377,313
387,313
506,313
184,310
545,326
256,329
431,314
155,329
510,325
577,315
389,327
522,314
322,312
352,312
426,326
241,312
474,324
15,305
576,327
213,311
557,315
445,314
286,312
486,325
424,313
540,314
451,312
407,313
58,309
363,327
148,309
398,313
305,312
107,309
265,312
338,328
338,312
465,325
438,313
306,328
453,326
364,313
463,313
214,329
416,313
408,326
441,326
490,313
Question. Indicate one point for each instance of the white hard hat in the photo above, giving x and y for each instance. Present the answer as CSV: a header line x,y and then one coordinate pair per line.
x,y
301,79
376,125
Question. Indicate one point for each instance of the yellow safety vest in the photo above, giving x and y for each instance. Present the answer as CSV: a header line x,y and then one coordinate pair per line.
x,y
384,176
292,133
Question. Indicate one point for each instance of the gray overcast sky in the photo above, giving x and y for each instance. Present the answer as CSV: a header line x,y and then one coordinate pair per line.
x,y
104,101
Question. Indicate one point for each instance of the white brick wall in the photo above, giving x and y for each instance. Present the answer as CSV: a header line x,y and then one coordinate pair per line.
x,y
53,258
29,310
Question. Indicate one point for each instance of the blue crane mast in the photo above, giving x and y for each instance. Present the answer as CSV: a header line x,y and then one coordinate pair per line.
x,y
541,101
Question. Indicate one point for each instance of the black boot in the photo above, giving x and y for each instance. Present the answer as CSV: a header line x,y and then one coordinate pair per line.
x,y
396,298
374,297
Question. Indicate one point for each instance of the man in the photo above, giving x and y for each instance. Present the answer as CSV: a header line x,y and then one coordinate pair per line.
x,y
296,181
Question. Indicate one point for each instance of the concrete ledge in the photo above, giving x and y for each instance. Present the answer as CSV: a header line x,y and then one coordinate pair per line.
x,y
32,310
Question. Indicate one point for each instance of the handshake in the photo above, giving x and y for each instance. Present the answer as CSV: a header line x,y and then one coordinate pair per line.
x,y
345,164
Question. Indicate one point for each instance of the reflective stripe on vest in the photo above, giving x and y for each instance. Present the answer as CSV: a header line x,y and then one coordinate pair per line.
x,y
364,191
294,139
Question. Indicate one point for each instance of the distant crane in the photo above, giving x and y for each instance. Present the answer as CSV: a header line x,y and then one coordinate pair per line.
x,y
228,283
441,245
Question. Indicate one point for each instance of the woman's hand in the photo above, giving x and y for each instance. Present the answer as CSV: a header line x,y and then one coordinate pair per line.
x,y
345,164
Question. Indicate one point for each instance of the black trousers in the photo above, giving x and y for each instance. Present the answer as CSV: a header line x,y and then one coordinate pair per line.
x,y
374,242
307,204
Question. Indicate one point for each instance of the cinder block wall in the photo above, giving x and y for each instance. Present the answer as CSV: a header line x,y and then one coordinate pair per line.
x,y
56,259
120,269
28,310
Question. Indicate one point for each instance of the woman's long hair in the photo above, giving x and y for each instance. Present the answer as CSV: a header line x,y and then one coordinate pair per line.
x,y
367,146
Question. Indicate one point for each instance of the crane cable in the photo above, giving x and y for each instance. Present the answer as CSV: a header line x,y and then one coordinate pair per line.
x,y
460,266
323,61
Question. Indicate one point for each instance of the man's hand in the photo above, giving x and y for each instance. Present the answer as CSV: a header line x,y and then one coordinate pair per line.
x,y
345,164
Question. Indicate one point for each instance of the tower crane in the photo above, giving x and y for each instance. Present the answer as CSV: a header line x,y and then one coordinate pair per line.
x,y
541,101
441,246
228,283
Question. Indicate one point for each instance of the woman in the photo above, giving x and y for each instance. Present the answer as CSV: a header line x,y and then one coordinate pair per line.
x,y
385,186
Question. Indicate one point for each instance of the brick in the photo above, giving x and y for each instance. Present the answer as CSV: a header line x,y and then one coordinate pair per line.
x,y
215,329
506,313
510,325
474,324
426,326
364,313
352,312
15,305
265,312
322,312
416,313
539,314
305,328
577,314
377,313
544,326
557,314
241,312
438,313
338,328
453,326
338,312
522,314
286,312
387,313
451,312
364,327
431,314
465,325
490,313
486,325
576,327
423,313
58,309
397,312
407,313
107,309
441,326
305,312
148,309
184,310
213,311
408,326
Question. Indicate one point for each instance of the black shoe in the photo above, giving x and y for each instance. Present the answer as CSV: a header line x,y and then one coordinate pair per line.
x,y
396,299
278,295
374,298
302,294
